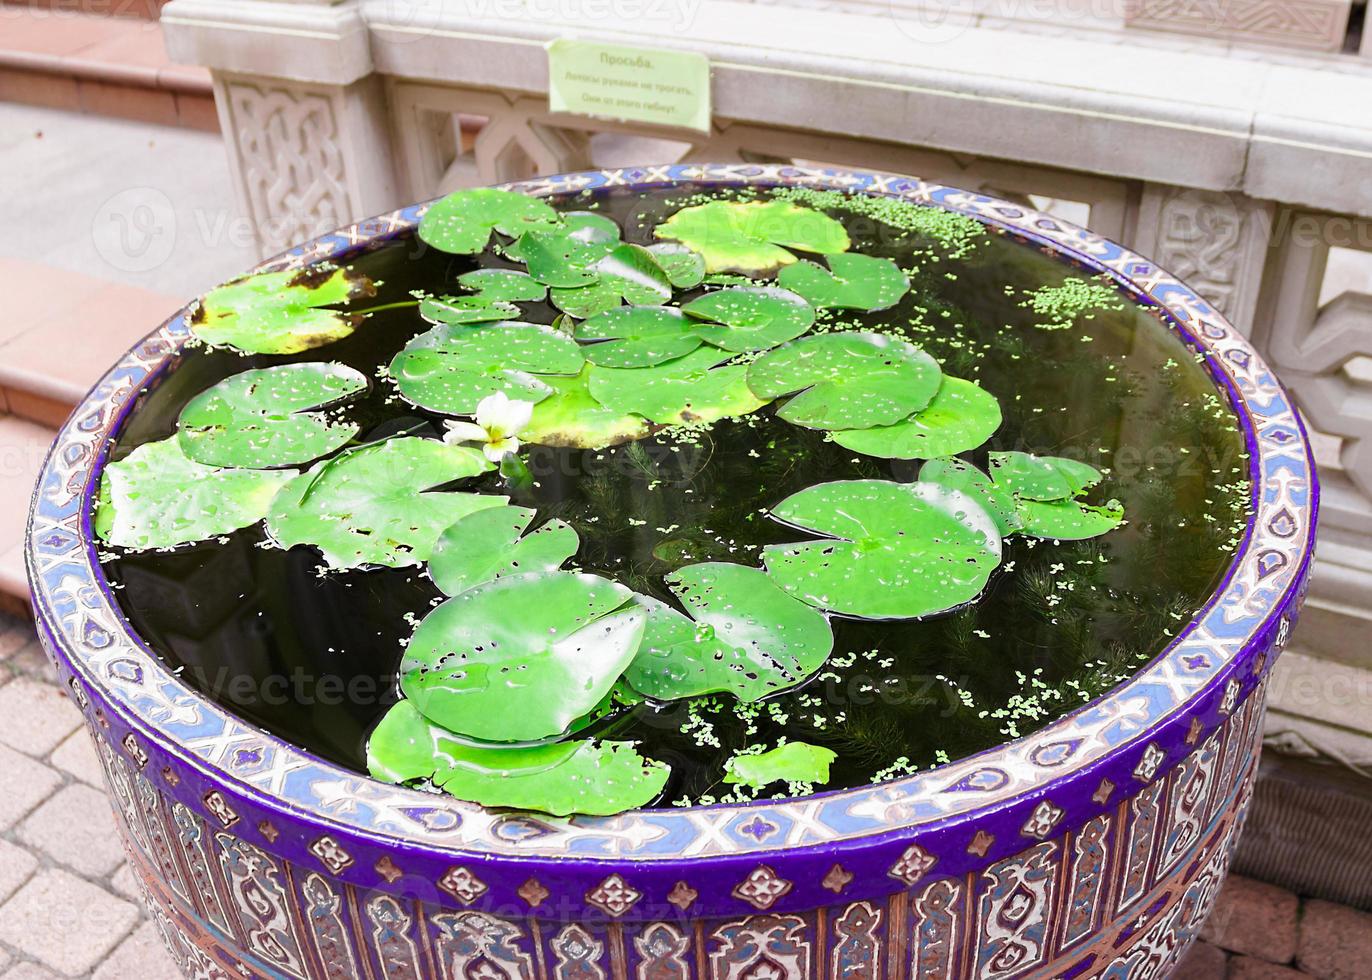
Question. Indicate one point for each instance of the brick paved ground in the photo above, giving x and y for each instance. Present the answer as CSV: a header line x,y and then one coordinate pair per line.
x,y
67,902
68,908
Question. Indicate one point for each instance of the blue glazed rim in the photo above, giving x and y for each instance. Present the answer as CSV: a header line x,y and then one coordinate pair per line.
x,y
313,812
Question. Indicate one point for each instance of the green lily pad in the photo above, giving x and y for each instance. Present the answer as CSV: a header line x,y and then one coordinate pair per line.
x,y
451,368
281,312
694,388
462,222
269,417
521,658
488,545
893,550
1067,520
564,778
376,505
496,292
794,762
573,418
629,274
752,236
464,309
685,269
741,634
584,227
750,319
846,380
1031,477
561,259
962,416
637,336
957,474
503,285
157,497
853,281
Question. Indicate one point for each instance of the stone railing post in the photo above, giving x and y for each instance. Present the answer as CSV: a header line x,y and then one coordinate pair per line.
x,y
303,115
1214,240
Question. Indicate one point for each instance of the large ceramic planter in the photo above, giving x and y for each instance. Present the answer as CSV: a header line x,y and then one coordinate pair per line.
x,y
1093,847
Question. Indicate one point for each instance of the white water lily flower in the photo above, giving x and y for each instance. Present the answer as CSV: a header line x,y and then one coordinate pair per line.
x,y
499,421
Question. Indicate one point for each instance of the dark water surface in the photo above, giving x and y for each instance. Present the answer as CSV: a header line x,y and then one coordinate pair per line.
x,y
312,658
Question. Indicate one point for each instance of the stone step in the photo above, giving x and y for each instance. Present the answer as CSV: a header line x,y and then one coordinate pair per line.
x,y
23,447
62,331
114,66
142,9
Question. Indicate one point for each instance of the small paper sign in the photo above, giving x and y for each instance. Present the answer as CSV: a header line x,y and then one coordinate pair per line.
x,y
613,81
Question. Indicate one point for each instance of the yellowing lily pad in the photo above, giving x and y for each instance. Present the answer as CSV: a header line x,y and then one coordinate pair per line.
x,y
853,281
451,368
961,416
270,417
846,380
573,418
891,550
462,222
157,497
792,763
281,312
521,658
750,319
377,505
695,388
753,236
491,544
741,634
565,778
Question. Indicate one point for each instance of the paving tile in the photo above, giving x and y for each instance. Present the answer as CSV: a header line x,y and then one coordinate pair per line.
x,y
76,828
124,883
64,923
76,757
1252,968
142,955
30,971
32,662
24,783
1254,918
16,867
15,634
38,717
1202,962
1335,942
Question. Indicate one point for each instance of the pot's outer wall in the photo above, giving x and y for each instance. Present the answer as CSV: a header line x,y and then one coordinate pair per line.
x,y
1093,847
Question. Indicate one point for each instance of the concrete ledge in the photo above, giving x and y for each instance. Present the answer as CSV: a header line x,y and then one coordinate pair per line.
x,y
1209,118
